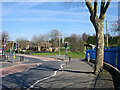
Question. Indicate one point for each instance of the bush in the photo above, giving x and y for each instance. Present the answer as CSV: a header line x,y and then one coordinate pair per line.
x,y
21,52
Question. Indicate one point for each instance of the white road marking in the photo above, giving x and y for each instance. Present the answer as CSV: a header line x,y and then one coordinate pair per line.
x,y
25,60
61,67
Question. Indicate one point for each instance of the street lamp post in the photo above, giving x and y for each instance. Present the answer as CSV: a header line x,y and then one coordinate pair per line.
x,y
59,43
60,36
106,33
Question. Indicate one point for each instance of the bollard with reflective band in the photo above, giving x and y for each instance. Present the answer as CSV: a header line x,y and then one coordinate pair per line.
x,y
14,56
88,57
69,58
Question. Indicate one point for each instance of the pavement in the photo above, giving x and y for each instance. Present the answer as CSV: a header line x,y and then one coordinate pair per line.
x,y
76,74
104,80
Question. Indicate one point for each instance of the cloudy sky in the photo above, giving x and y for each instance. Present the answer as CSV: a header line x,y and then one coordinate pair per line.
x,y
25,19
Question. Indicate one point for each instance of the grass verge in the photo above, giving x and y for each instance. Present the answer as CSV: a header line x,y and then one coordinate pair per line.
x,y
71,54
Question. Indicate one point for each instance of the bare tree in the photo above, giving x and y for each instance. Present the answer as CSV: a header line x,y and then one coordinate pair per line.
x,y
46,37
38,40
35,38
84,37
22,43
43,37
115,28
54,35
98,23
4,37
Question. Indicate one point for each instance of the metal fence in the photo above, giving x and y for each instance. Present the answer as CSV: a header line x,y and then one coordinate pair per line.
x,y
111,56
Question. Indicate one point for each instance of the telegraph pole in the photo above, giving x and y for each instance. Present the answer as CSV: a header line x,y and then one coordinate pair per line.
x,y
59,43
106,33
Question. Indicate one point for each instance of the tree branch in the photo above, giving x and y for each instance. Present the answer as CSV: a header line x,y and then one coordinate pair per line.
x,y
89,5
107,5
104,8
95,7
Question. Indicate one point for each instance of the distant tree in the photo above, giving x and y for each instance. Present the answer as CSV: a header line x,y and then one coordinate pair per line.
x,y
4,37
8,47
76,44
84,37
44,37
115,28
113,41
91,40
54,36
35,39
22,43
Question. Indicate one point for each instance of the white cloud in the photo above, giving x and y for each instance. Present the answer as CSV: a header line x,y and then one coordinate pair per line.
x,y
45,19
36,15
41,12
23,5
24,10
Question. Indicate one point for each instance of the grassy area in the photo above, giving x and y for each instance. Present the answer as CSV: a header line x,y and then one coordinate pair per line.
x,y
71,54
104,72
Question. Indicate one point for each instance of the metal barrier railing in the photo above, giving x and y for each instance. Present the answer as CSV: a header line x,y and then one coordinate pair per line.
x,y
111,56
60,56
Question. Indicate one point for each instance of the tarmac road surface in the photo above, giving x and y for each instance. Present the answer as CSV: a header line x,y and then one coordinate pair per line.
x,y
28,77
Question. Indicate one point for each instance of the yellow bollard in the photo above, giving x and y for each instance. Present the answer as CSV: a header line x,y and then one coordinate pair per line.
x,y
14,56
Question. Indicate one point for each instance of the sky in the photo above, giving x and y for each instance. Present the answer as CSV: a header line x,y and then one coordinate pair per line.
x,y
25,19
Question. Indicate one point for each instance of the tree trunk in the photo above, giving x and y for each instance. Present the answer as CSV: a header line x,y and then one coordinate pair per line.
x,y
99,27
98,24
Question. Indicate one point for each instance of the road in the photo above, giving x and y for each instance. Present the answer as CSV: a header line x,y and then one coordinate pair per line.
x,y
28,77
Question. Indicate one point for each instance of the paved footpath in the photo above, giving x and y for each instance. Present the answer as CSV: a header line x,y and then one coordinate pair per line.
x,y
76,74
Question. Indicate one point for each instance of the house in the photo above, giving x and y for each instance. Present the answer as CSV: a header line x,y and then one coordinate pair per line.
x,y
44,46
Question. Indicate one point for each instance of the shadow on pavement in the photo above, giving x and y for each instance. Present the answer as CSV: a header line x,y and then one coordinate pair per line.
x,y
79,72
